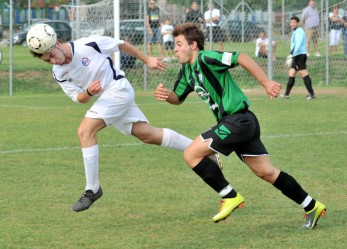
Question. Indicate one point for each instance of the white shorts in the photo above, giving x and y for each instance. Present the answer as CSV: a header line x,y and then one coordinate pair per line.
x,y
117,107
334,37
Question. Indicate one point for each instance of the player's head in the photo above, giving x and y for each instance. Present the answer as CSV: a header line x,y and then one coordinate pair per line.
x,y
262,35
191,32
167,20
152,4
55,56
294,22
189,40
195,6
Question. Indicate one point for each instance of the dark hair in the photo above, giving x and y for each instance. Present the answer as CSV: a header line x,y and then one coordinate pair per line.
x,y
295,18
191,32
35,54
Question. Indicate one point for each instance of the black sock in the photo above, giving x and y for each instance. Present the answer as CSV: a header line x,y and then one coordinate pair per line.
x,y
308,84
231,194
290,84
310,206
209,171
290,188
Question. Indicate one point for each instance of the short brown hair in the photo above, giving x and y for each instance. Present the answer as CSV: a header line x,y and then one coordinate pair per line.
x,y
191,32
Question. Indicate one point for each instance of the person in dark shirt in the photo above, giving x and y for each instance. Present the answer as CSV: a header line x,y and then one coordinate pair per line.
x,y
153,28
194,15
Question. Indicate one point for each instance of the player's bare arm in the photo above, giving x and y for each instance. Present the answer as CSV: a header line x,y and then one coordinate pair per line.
x,y
271,87
93,88
151,62
163,94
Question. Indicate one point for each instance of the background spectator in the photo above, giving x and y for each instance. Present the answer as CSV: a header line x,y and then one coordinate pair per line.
x,y
212,18
311,21
153,28
166,31
261,47
344,33
194,15
335,25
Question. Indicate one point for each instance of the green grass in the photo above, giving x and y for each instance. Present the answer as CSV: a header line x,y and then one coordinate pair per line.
x,y
151,199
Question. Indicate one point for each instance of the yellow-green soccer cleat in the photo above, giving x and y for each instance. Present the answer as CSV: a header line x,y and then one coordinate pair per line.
x,y
228,205
313,216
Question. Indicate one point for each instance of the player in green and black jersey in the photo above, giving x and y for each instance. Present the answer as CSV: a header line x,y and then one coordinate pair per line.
x,y
237,129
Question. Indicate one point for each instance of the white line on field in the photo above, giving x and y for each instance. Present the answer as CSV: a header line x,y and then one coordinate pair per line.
x,y
140,144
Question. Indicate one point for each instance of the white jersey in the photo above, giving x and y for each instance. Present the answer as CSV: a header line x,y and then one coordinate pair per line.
x,y
91,61
208,15
167,28
258,42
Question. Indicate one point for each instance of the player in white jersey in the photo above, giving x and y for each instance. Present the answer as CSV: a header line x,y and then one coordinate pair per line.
x,y
85,71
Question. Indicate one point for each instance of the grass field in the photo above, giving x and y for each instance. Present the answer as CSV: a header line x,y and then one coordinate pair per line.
x,y
151,199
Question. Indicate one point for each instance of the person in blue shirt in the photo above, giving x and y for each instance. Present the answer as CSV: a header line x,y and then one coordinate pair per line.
x,y
298,54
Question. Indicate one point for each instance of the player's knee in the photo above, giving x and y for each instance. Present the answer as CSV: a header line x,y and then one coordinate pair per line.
x,y
83,134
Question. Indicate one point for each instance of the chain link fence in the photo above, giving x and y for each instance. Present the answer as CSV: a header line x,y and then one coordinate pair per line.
x,y
238,28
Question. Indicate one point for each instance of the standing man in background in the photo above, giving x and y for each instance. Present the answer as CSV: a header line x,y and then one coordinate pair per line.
x,y
194,15
212,18
311,22
153,28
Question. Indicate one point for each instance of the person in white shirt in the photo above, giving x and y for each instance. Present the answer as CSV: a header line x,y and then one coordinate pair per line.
x,y
261,47
212,18
85,71
335,24
166,32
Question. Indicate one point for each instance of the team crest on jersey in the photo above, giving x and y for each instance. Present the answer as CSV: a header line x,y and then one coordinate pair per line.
x,y
85,61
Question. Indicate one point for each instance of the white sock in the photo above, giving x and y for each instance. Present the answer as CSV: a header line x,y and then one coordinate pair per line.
x,y
225,191
173,140
307,201
91,167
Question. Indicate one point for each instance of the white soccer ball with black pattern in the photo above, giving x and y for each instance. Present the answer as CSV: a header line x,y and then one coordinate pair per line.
x,y
41,38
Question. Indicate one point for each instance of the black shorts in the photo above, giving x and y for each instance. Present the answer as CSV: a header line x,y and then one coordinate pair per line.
x,y
299,62
169,45
239,132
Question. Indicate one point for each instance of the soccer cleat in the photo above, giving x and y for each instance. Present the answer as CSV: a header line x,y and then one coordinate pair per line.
x,y
86,200
228,205
217,160
312,216
309,97
283,96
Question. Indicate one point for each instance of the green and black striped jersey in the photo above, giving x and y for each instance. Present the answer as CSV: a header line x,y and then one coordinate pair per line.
x,y
210,78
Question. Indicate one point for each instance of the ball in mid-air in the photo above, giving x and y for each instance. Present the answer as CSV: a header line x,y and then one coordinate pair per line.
x,y
41,38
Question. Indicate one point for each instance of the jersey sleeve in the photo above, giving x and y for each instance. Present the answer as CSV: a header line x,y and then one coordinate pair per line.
x,y
70,89
220,61
182,87
107,45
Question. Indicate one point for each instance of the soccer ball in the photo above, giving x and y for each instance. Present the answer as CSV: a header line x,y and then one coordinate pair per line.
x,y
41,38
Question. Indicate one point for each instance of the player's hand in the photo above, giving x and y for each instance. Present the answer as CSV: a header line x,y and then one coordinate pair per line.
x,y
95,87
156,63
161,93
273,88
